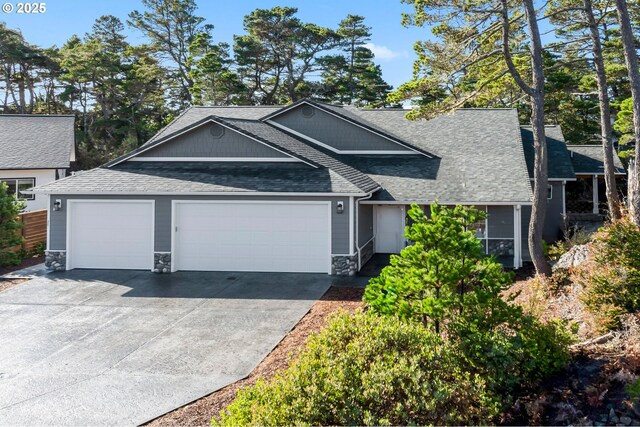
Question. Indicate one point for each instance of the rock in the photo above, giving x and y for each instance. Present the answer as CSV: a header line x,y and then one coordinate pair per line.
x,y
626,420
613,418
574,257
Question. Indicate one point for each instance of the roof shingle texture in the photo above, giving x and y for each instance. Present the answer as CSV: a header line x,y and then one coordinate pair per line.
x,y
589,159
36,141
481,158
199,177
559,161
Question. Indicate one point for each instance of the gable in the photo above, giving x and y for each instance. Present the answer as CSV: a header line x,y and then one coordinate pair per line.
x,y
333,132
212,141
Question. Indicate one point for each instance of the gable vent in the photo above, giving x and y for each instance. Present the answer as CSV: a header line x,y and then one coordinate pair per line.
x,y
216,131
307,111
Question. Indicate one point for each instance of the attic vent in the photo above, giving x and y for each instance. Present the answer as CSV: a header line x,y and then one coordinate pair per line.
x,y
216,131
307,111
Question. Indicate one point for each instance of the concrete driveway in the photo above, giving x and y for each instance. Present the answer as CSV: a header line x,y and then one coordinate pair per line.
x,y
119,347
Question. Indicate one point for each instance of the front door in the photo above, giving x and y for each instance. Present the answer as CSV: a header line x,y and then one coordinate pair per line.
x,y
389,228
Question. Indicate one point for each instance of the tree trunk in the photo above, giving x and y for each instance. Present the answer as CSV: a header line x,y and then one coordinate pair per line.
x,y
613,200
631,59
634,184
540,174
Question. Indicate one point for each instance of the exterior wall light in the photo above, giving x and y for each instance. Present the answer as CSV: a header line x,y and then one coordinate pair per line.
x,y
339,207
57,205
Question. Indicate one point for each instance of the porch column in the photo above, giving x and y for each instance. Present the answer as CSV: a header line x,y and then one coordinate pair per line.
x,y
596,209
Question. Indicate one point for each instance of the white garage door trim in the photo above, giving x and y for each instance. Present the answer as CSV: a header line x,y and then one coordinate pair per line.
x,y
72,202
174,221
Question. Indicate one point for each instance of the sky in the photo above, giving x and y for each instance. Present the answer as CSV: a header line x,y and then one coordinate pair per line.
x,y
391,42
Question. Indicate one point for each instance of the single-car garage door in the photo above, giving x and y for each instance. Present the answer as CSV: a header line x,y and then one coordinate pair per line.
x,y
110,234
252,236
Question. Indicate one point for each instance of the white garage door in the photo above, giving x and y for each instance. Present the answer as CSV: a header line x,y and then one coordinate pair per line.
x,y
245,236
110,234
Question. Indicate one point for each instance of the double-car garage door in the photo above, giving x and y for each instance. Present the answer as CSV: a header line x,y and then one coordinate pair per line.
x,y
264,236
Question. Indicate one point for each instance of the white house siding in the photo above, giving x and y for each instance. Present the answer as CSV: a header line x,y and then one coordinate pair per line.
x,y
42,176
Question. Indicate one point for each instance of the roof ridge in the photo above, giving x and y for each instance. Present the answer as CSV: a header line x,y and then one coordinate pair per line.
x,y
165,127
36,115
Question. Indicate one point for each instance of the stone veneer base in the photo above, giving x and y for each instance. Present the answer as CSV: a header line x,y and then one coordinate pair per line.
x,y
162,262
55,260
342,265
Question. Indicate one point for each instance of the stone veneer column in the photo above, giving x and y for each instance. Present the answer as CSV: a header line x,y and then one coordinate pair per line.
x,y
344,265
55,260
162,262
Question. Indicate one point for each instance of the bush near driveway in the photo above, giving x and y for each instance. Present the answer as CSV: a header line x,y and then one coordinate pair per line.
x,y
10,207
364,369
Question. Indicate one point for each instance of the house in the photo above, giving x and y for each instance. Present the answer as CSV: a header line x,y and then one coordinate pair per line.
x,y
309,187
36,150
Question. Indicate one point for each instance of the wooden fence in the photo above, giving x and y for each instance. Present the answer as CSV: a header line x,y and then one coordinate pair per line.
x,y
34,228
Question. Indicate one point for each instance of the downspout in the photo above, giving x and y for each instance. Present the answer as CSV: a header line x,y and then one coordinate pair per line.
x,y
357,204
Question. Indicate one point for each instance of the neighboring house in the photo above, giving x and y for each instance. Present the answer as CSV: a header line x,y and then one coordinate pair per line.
x,y
36,150
309,187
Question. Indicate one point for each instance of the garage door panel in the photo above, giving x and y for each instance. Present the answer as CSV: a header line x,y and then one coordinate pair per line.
x,y
116,235
237,236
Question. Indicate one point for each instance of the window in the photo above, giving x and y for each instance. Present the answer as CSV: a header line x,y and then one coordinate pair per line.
x,y
550,192
20,184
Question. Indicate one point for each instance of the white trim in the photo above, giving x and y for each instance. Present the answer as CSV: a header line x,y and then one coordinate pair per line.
x,y
352,243
70,202
600,173
558,179
204,193
549,191
517,238
48,221
564,199
354,123
596,202
183,131
215,159
174,203
335,150
395,202
353,254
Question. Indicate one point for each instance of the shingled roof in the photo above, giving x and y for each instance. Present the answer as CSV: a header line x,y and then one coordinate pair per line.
x,y
589,160
36,141
200,177
559,161
481,158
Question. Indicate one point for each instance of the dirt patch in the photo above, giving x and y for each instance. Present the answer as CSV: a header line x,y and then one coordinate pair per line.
x,y
200,412
10,283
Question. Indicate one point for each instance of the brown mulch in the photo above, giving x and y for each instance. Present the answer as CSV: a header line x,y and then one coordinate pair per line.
x,y
200,412
27,262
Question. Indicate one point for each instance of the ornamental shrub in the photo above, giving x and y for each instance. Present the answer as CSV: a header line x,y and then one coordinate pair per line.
x,y
10,207
446,282
442,274
612,278
364,369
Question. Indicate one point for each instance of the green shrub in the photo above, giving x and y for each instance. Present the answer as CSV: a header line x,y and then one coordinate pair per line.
x,y
442,274
612,280
444,279
364,369
572,238
10,207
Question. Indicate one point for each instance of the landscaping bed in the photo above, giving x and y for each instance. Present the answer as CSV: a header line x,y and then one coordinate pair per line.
x,y
202,410
27,262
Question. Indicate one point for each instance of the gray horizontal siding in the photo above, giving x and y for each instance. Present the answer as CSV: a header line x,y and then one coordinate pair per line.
x,y
199,143
365,224
334,131
58,219
553,223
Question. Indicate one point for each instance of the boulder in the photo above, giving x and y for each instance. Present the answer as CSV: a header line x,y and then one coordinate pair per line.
x,y
574,257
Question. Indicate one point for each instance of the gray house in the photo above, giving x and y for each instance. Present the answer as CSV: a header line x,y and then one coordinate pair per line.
x,y
309,187
35,150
